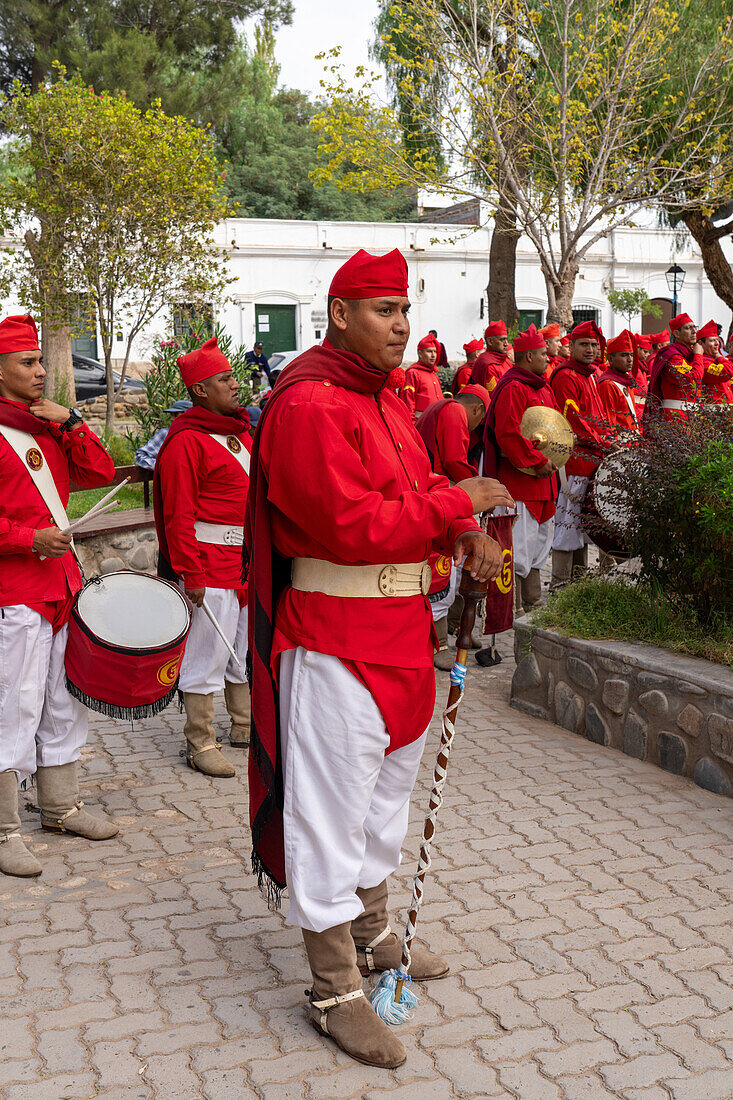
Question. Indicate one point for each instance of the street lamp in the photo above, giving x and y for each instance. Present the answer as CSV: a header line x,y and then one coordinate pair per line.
x,y
675,276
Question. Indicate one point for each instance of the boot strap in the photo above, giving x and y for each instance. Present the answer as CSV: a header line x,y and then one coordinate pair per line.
x,y
368,948
9,836
331,1002
59,821
214,745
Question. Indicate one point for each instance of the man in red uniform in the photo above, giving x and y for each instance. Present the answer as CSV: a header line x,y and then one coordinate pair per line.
x,y
616,385
716,381
641,372
343,680
676,374
564,349
551,335
519,465
200,494
42,727
422,384
576,393
491,364
463,374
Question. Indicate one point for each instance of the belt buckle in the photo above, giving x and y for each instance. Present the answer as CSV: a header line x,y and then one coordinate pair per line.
x,y
388,581
231,537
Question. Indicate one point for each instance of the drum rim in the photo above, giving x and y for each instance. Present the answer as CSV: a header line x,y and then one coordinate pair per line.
x,y
115,647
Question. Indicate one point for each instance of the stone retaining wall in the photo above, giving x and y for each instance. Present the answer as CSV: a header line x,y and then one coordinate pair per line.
x,y
134,548
654,704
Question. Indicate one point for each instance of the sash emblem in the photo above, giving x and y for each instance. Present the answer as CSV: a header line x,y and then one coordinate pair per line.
x,y
34,458
233,444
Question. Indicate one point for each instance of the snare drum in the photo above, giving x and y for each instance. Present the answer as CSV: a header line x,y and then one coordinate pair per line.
x,y
127,635
606,512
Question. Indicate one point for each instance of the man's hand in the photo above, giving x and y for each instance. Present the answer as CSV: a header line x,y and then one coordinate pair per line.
x,y
196,596
484,552
50,543
49,410
545,471
697,348
486,493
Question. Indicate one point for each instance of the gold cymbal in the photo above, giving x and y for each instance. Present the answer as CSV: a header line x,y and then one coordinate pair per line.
x,y
550,432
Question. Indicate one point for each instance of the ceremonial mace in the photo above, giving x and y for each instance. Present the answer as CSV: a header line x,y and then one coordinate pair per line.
x,y
391,999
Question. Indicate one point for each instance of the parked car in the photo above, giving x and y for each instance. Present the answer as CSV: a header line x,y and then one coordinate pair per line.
x,y
90,379
278,361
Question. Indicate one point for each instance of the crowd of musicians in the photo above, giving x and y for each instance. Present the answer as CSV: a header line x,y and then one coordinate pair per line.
x,y
326,545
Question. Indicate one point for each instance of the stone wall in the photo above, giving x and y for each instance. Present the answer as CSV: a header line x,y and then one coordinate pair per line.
x,y
133,548
95,408
654,704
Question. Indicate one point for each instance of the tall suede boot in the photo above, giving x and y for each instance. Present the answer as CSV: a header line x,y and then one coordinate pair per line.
x,y
61,807
240,711
338,1006
580,561
562,569
378,948
15,859
531,590
444,658
202,752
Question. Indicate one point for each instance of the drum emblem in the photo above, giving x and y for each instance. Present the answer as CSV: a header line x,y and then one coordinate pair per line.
x,y
504,580
233,444
167,673
442,566
34,458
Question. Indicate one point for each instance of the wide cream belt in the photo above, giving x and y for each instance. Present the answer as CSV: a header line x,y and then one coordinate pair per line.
x,y
361,581
219,534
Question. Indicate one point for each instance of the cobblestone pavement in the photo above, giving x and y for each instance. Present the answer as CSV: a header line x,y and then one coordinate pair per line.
x,y
584,900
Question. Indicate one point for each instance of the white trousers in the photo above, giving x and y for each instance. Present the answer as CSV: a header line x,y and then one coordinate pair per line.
x,y
346,803
569,534
441,607
207,662
532,541
40,723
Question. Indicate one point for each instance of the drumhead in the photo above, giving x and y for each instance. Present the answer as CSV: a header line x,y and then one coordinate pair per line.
x,y
133,610
611,498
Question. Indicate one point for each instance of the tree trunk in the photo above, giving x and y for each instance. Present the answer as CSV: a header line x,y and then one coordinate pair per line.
x,y
502,262
55,335
560,292
717,268
110,416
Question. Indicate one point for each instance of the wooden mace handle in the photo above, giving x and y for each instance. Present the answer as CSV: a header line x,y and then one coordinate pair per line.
x,y
472,591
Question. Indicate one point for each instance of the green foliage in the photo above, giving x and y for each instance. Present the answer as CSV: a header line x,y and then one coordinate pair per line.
x,y
594,607
630,303
119,447
131,496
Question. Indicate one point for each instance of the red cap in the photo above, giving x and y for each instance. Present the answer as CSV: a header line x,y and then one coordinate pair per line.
x,y
18,333
477,391
623,342
643,341
202,363
529,340
496,328
367,276
427,342
550,330
589,329
659,337
565,340
710,329
473,345
680,320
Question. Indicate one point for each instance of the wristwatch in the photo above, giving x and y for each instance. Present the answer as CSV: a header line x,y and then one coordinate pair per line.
x,y
75,418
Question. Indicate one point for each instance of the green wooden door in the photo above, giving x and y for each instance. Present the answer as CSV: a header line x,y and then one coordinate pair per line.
x,y
529,317
275,327
84,328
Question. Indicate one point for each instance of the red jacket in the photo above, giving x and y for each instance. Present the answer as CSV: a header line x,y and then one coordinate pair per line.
x,y
512,400
675,376
77,455
421,388
488,368
576,392
461,378
444,431
200,480
618,403
716,381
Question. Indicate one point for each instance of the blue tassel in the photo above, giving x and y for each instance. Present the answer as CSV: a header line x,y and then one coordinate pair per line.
x,y
383,998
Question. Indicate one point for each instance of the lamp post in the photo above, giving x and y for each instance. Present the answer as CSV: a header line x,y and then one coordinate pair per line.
x,y
675,276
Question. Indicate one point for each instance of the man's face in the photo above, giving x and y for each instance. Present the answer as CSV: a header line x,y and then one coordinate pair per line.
x,y
710,345
644,355
497,343
621,361
221,392
377,329
21,376
584,350
476,414
428,356
686,334
536,360
564,351
258,349
553,345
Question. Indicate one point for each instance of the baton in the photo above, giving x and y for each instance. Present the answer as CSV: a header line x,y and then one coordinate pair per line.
x,y
217,627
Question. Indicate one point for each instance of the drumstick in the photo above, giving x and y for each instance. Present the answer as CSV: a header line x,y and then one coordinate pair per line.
x,y
215,623
96,508
89,515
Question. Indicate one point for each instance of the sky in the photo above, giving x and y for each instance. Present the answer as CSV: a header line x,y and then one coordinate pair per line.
x,y
317,26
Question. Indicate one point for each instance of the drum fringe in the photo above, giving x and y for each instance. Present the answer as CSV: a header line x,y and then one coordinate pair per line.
x,y
147,710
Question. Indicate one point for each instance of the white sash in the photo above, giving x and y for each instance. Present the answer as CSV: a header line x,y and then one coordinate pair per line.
x,y
29,453
242,456
629,400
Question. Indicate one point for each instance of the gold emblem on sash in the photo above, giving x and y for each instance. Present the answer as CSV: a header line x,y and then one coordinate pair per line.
x,y
34,458
233,444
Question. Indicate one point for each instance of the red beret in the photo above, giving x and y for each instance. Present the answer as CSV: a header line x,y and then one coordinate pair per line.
x,y
367,276
710,329
18,333
477,391
565,340
427,342
550,330
496,328
680,320
202,363
623,342
529,340
659,337
473,345
589,330
643,341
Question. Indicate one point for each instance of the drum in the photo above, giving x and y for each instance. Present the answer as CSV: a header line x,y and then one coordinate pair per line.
x,y
606,512
127,635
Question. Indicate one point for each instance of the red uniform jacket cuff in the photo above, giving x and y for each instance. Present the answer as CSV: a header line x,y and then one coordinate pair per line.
x,y
194,580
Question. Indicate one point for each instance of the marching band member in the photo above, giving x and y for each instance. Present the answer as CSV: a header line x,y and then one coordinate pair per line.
x,y
676,374
551,334
716,381
42,727
199,495
463,373
491,364
422,384
343,680
616,385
